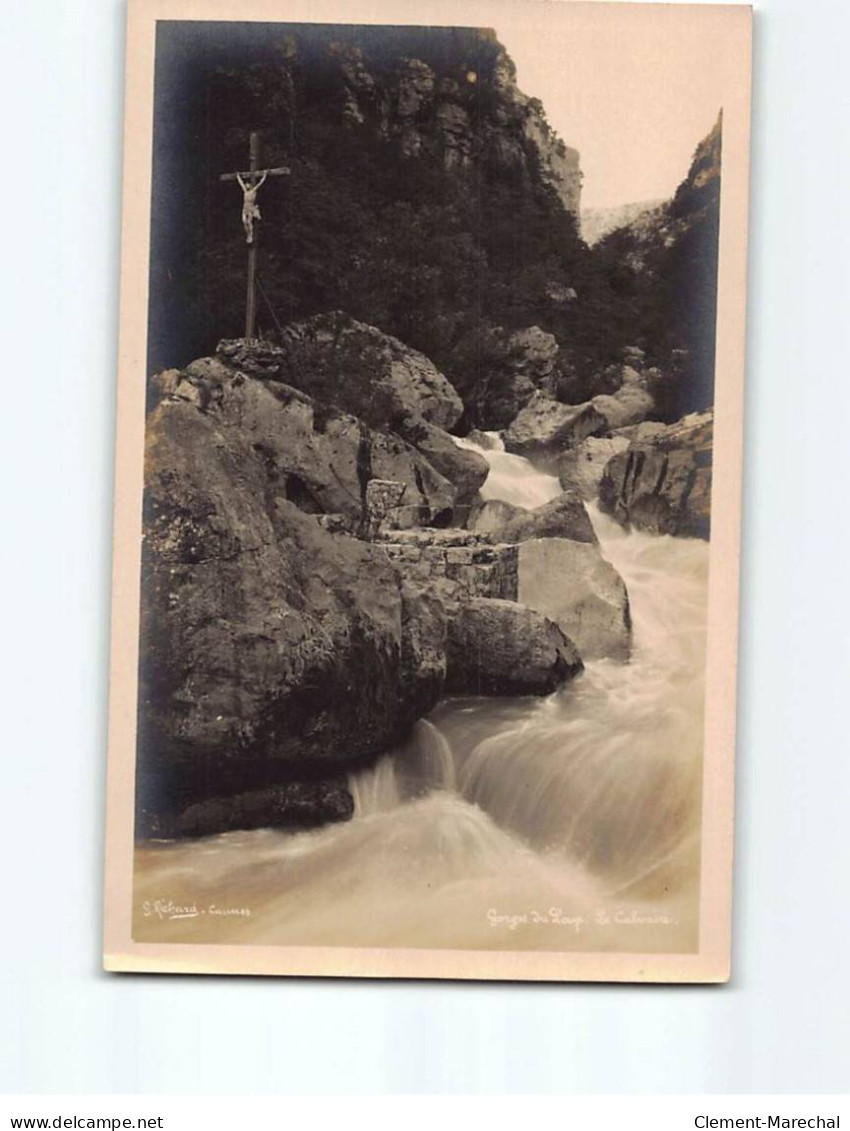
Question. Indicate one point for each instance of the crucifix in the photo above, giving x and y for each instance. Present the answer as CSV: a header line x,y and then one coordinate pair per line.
x,y
250,182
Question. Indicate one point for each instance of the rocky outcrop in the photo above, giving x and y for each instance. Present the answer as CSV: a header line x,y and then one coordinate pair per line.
x,y
580,468
645,432
631,404
319,458
669,257
271,650
662,482
559,164
501,648
563,517
353,367
545,428
465,469
429,115
423,641
573,585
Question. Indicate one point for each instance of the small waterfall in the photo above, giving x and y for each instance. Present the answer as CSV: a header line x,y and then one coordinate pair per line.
x,y
422,764
375,790
512,478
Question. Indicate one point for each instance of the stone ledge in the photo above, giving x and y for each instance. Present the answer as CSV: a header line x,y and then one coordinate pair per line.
x,y
457,572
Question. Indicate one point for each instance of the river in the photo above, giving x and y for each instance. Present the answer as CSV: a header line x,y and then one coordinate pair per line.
x,y
570,822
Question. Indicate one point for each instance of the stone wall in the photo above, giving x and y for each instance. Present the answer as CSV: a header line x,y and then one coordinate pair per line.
x,y
457,564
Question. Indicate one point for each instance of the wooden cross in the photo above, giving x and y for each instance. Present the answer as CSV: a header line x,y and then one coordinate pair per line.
x,y
250,183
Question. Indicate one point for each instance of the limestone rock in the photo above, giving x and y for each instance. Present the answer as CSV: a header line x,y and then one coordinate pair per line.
x,y
573,585
492,515
545,428
580,468
562,517
423,642
358,370
211,369
465,469
631,404
353,366
322,459
166,383
457,132
536,351
558,163
416,83
662,482
501,648
271,650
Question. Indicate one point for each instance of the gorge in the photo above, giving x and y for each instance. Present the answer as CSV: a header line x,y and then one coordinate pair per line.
x,y
424,565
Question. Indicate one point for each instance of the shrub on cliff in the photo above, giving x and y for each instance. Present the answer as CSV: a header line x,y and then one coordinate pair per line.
x,y
421,205
424,203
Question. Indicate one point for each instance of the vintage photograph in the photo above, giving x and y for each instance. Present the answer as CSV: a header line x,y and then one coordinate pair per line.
x,y
440,445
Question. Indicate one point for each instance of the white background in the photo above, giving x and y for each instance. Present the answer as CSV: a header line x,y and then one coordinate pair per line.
x,y
782,1025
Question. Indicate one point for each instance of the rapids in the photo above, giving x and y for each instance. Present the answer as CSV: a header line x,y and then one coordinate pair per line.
x,y
569,822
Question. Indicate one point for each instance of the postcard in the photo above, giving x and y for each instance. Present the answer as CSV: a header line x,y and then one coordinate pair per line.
x,y
428,489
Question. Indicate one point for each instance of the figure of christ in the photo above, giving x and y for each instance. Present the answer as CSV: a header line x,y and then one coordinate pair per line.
x,y
250,209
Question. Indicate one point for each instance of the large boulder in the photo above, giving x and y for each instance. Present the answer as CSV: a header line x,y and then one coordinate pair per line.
x,y
358,370
500,648
353,366
631,404
562,517
662,482
545,428
271,650
465,469
573,585
317,457
580,468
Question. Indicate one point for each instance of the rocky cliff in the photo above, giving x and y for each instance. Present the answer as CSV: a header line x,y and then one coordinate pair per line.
x,y
662,481
318,565
664,262
428,194
428,197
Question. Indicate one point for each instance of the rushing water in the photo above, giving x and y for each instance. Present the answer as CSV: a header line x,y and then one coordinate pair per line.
x,y
569,822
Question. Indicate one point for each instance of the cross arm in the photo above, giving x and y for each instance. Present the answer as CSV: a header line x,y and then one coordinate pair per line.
x,y
280,171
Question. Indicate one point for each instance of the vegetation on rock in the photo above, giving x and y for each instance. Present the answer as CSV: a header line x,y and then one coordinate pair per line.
x,y
428,198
